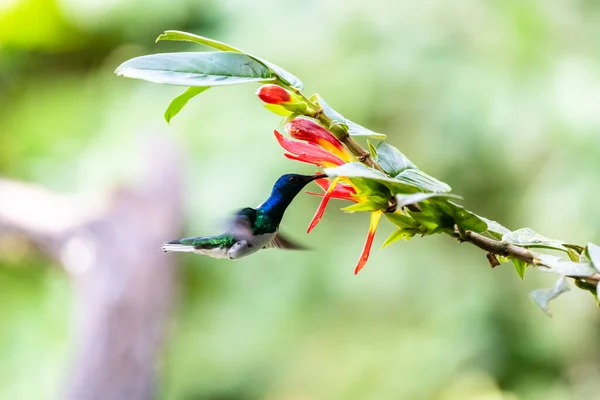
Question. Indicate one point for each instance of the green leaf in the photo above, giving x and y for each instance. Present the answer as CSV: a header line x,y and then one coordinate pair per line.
x,y
402,221
196,69
526,237
180,101
352,128
397,235
520,266
190,37
279,110
391,160
422,181
562,267
494,228
372,149
406,199
593,253
359,170
542,297
466,220
281,73
363,206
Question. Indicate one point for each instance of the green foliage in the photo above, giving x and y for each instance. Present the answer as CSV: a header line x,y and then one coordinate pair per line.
x,y
283,75
180,101
338,120
526,237
196,69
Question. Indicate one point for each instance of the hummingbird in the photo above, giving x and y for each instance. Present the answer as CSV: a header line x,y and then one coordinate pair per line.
x,y
251,229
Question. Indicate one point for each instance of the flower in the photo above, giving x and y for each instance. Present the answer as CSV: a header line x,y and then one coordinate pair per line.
x,y
319,147
339,190
274,94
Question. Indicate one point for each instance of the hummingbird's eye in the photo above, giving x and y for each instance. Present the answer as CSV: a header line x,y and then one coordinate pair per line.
x,y
293,179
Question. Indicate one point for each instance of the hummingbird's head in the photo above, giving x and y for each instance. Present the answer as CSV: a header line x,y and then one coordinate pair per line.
x,y
284,191
291,184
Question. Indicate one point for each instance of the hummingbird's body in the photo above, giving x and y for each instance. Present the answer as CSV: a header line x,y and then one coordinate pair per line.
x,y
252,228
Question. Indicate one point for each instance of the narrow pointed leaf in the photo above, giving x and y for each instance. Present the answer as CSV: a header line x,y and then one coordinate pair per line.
x,y
190,37
542,297
402,221
180,101
362,206
215,44
406,199
397,235
520,267
526,237
196,69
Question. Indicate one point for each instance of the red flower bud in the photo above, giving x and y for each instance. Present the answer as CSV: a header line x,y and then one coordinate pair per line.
x,y
274,94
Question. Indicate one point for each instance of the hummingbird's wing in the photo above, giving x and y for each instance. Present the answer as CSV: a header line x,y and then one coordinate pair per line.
x,y
281,242
241,224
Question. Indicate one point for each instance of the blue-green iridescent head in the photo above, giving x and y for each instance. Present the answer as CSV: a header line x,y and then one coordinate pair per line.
x,y
284,191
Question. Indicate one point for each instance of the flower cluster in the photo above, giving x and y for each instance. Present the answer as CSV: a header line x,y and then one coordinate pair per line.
x,y
316,145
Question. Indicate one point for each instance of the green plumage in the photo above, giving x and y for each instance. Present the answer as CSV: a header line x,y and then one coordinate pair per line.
x,y
260,222
209,242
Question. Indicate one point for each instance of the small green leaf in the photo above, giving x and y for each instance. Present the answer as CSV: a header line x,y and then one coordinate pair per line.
x,y
391,160
466,220
352,128
542,297
520,266
279,110
372,149
397,235
593,253
196,69
406,199
190,37
494,228
284,75
526,237
402,221
359,170
180,101
362,206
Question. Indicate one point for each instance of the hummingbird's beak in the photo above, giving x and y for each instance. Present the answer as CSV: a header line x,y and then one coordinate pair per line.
x,y
318,176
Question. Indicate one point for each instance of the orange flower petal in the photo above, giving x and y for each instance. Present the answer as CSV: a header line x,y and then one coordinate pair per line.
x,y
375,217
308,152
310,131
342,191
322,206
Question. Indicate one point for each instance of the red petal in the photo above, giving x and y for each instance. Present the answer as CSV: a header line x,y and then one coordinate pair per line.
x,y
273,94
308,152
342,191
305,129
375,217
323,205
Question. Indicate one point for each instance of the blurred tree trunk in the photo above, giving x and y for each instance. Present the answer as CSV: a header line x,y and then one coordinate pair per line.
x,y
122,281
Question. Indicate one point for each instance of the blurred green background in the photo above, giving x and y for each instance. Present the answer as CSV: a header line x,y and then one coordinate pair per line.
x,y
500,99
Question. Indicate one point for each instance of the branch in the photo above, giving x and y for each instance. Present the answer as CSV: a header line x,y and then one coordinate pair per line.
x,y
504,249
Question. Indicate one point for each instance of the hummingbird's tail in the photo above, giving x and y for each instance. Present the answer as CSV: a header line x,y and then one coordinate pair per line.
x,y
176,246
